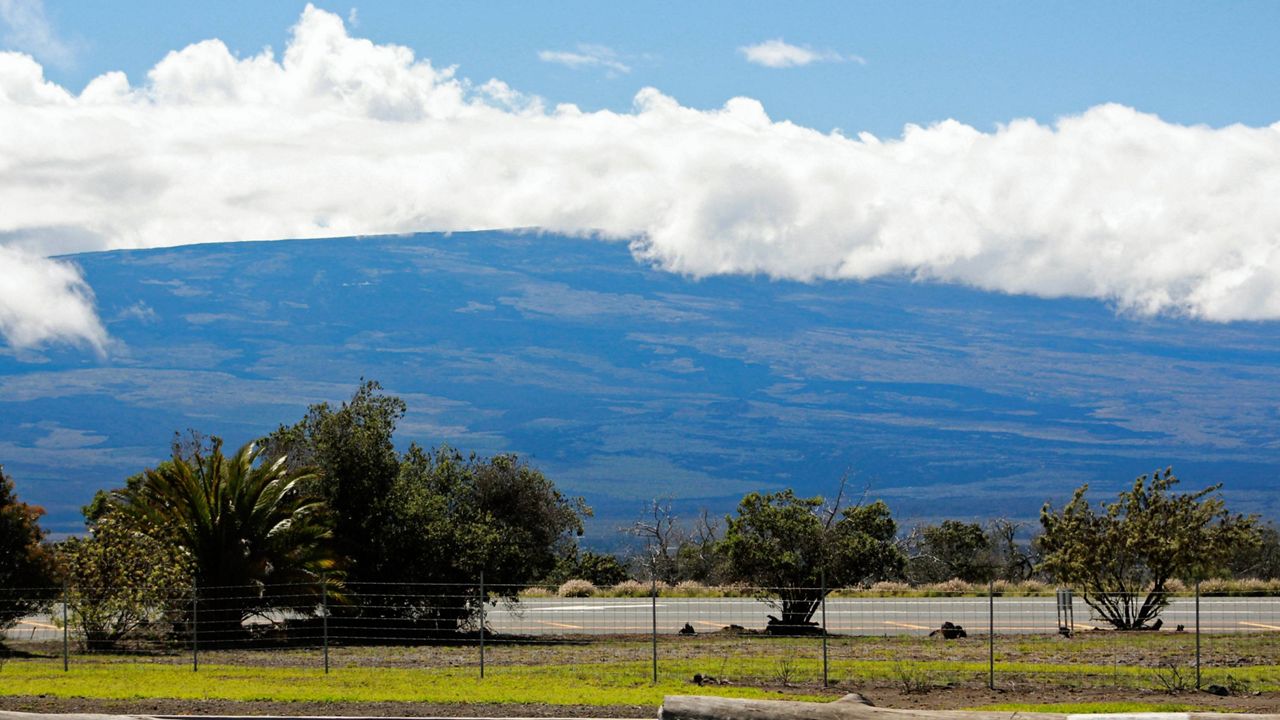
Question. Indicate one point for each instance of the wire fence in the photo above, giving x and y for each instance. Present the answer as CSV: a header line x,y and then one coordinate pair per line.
x,y
707,635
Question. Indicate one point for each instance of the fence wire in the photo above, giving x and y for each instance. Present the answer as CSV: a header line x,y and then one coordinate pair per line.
x,y
705,635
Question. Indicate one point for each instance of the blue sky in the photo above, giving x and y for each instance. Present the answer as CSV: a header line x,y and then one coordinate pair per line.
x,y
980,63
1123,152
1110,166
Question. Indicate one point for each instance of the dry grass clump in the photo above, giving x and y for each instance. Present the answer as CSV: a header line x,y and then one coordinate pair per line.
x,y
693,588
886,588
577,588
954,586
536,591
629,588
1244,586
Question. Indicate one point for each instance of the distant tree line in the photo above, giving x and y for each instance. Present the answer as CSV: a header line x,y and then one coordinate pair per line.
x,y
327,509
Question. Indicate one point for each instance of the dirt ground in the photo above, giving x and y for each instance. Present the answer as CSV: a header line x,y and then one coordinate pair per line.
x,y
935,699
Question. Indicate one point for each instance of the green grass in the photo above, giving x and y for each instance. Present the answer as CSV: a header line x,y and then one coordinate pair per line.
x,y
616,671
1093,707
604,684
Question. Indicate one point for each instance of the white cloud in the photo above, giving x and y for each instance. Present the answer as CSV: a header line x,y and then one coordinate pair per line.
x,y
586,56
340,136
27,28
778,53
44,300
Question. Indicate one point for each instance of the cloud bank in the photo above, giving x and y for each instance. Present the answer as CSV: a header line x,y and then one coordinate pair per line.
x,y
340,136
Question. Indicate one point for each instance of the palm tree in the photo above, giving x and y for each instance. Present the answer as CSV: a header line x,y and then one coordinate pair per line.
x,y
257,533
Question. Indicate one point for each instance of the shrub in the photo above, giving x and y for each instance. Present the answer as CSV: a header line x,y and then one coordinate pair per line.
x,y
536,591
1033,587
692,588
576,588
954,586
890,588
630,588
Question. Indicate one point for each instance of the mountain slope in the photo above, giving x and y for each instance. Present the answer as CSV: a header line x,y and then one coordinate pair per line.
x,y
626,383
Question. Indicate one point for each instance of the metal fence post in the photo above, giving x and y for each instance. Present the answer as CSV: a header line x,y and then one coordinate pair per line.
x,y
195,624
66,638
653,603
324,618
823,575
482,624
991,634
1197,634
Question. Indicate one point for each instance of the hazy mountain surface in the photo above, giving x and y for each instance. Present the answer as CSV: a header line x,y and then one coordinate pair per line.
x,y
626,383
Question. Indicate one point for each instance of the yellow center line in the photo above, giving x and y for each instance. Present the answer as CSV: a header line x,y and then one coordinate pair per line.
x,y
709,624
1261,625
907,625
559,625
37,624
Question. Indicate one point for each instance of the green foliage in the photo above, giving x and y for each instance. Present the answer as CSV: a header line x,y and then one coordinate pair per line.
x,y
122,578
451,517
1261,560
600,569
793,548
1132,548
427,516
251,525
352,451
951,549
26,565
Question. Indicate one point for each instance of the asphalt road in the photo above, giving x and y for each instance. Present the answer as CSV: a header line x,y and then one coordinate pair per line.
x,y
870,616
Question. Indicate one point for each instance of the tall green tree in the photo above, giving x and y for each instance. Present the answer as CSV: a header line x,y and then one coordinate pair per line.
x,y
352,452
453,516
256,532
1121,556
427,517
26,565
797,549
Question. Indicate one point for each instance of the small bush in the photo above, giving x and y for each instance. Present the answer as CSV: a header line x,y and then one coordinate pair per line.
x,y
536,591
890,589
629,588
692,588
1218,586
954,586
576,588
1034,587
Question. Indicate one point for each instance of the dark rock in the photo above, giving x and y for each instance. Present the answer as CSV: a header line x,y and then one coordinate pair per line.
x,y
949,631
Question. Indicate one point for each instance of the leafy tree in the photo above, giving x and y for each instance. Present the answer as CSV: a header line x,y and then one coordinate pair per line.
x,y
424,517
26,565
600,569
788,546
1262,560
951,549
351,449
1122,555
453,516
256,534
121,578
